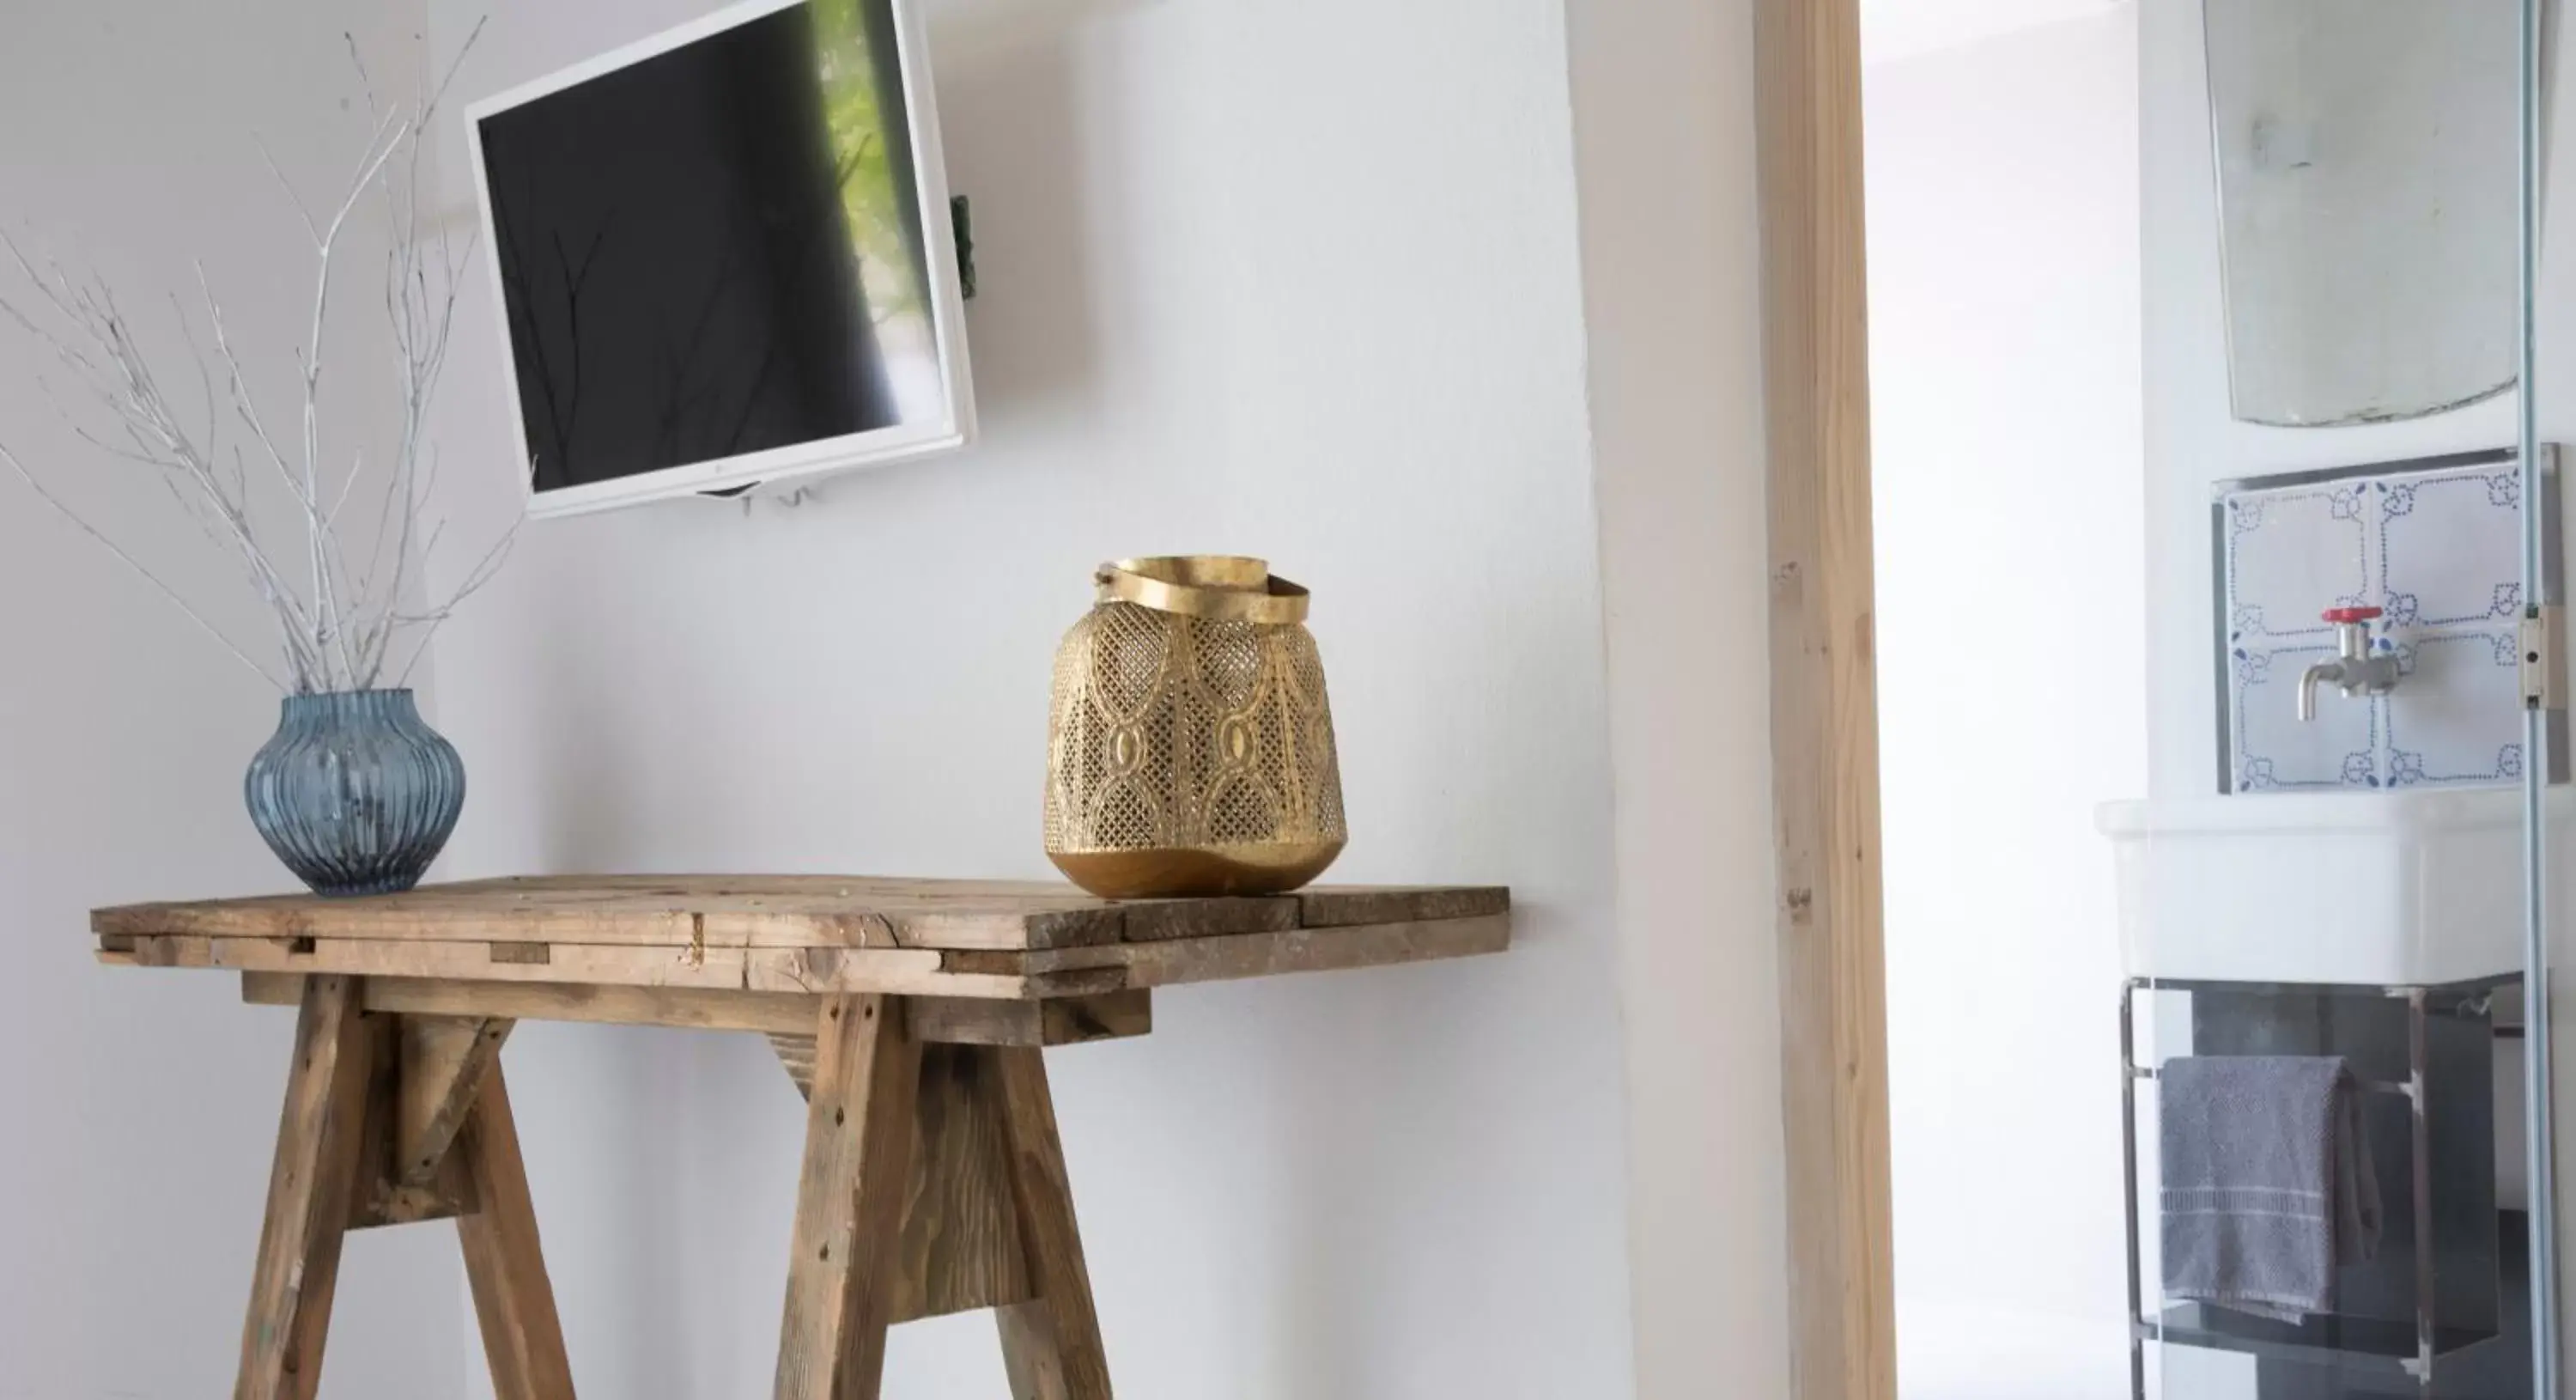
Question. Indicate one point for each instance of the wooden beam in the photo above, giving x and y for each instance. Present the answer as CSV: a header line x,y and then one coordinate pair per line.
x,y
1398,904
935,1020
682,1008
843,1265
872,971
1050,1344
514,1303
1824,706
961,1243
444,1061
381,1200
796,1055
1036,1024
381,1192
1315,950
603,964
730,911
897,971
320,1137
1059,972
1073,1020
1060,1021
1152,920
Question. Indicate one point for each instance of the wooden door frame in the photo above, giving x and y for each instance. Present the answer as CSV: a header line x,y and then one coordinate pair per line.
x,y
1824,700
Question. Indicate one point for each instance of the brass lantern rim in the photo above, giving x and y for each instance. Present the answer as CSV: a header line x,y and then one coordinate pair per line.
x,y
1217,587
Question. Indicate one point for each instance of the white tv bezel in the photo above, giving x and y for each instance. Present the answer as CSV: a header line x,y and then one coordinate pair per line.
x,y
849,452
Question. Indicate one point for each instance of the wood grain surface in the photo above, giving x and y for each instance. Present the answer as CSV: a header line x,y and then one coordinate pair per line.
x,y
762,949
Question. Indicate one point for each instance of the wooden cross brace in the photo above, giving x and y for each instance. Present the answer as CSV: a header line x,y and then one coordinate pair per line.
x,y
933,1182
971,1209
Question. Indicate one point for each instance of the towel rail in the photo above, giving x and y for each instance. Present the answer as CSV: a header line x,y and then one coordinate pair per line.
x,y
2430,1342
2376,1086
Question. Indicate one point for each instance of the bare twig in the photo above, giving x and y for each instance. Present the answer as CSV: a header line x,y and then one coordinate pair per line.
x,y
339,630
133,563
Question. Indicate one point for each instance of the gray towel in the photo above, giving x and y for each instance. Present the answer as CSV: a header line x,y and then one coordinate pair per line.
x,y
2268,1185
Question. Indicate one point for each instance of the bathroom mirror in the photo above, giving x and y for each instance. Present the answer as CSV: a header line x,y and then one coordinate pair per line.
x,y
2367,204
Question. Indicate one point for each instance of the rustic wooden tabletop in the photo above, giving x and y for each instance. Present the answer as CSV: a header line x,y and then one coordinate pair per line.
x,y
809,934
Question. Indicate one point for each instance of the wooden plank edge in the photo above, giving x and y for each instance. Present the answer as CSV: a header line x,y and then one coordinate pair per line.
x,y
1343,906
880,971
1310,950
798,972
1081,1020
991,930
1062,1021
389,922
1159,920
1060,971
693,933
942,1020
680,1008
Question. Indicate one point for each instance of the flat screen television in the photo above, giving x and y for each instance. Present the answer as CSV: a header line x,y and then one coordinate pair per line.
x,y
724,256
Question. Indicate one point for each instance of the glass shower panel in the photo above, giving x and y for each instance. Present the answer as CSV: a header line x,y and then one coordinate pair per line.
x,y
2541,652
2334,1029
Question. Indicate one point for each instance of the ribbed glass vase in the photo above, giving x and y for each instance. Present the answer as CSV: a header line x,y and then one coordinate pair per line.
x,y
355,792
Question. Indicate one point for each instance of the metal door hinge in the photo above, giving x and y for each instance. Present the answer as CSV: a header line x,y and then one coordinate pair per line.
x,y
2544,665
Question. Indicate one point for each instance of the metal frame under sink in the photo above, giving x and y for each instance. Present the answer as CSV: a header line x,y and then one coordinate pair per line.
x,y
2418,1353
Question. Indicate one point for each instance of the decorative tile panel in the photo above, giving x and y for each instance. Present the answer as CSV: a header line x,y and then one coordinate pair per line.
x,y
2437,546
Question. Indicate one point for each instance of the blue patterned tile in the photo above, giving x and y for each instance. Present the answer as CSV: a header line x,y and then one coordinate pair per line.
x,y
2276,752
2453,556
2457,718
2440,551
2292,554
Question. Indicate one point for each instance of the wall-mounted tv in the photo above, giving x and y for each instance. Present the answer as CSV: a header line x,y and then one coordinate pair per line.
x,y
724,256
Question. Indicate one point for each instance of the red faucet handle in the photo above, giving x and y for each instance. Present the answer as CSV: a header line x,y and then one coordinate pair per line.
x,y
2343,615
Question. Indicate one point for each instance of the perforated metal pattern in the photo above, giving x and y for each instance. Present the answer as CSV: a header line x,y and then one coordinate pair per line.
x,y
1172,731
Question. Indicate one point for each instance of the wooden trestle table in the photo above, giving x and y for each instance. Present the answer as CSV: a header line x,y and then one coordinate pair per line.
x,y
913,1013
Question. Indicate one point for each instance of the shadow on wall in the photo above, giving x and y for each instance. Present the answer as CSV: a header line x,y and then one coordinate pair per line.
x,y
1329,1186
1013,133
971,31
1015,144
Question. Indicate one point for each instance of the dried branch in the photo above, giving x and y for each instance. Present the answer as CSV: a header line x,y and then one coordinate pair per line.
x,y
338,630
67,513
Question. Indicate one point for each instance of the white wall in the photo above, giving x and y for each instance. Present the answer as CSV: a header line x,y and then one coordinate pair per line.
x,y
1663,98
2010,472
141,1108
1901,29
1299,280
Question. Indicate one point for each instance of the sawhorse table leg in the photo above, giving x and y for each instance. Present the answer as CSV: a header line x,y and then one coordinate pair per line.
x,y
933,1182
391,1120
514,1304
1050,1343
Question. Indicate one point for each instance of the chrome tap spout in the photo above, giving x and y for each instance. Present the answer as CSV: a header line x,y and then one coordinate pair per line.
x,y
2308,682
2357,670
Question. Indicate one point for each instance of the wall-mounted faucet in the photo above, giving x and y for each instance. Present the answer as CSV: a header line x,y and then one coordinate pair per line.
x,y
2358,670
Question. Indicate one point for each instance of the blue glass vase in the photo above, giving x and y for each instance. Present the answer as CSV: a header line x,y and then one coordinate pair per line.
x,y
355,792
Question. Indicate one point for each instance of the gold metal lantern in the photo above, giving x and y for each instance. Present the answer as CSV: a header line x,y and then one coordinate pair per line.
x,y
1190,750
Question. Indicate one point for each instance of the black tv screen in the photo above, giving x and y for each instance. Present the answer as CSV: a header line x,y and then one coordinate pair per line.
x,y
717,263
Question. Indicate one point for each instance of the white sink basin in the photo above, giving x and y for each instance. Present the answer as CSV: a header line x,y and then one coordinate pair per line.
x,y
2378,888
